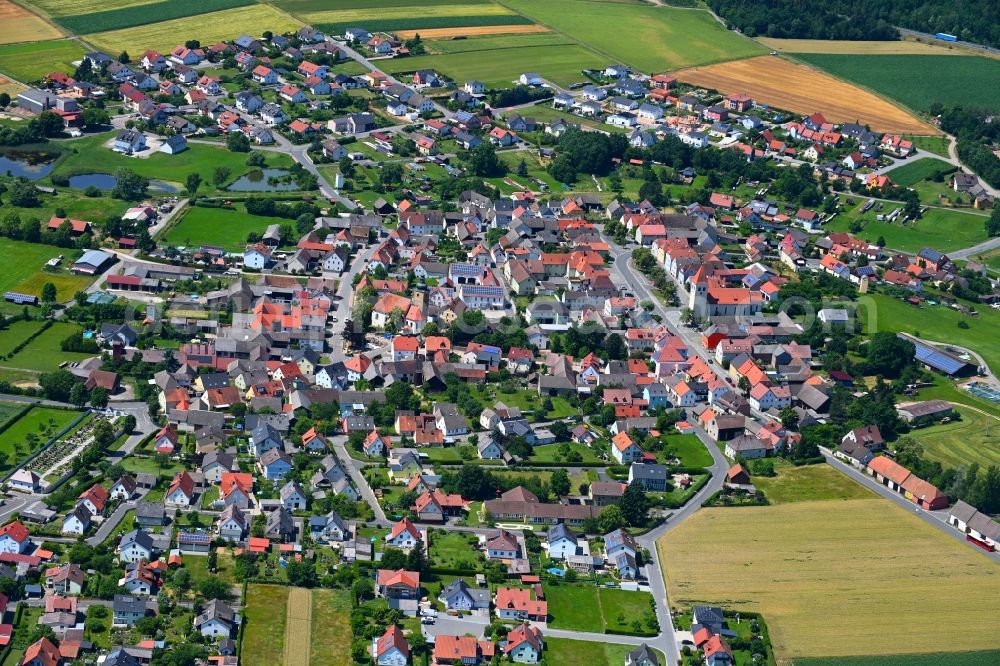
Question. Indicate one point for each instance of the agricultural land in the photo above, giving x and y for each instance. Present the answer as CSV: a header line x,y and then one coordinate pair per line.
x,y
787,85
917,81
867,559
20,25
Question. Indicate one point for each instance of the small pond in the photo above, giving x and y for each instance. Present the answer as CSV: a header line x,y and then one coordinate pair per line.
x,y
264,180
30,164
105,181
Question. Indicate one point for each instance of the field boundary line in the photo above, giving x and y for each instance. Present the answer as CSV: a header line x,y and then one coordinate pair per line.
x,y
918,115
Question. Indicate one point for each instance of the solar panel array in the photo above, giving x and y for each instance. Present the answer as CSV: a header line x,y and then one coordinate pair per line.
x,y
938,360
20,299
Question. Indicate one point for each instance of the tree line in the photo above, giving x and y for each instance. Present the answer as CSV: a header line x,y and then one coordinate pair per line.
x,y
970,20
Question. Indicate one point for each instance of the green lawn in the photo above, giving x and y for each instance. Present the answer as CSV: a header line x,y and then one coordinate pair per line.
x,y
917,81
808,484
498,69
30,62
944,230
937,323
586,607
932,144
24,269
973,438
265,615
16,333
197,566
226,227
44,353
569,652
8,410
23,634
88,155
653,39
911,173
689,449
549,453
455,550
495,42
138,465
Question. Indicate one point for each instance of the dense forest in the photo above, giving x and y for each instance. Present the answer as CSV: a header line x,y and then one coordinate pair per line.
x,y
975,21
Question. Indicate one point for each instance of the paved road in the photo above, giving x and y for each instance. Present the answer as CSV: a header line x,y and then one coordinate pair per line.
x,y
937,519
111,522
351,466
354,55
335,339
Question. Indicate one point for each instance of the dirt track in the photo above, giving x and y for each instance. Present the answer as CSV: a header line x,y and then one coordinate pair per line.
x,y
298,627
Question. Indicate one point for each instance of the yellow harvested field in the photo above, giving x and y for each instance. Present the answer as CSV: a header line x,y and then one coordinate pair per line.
x,y
476,31
20,25
391,13
298,627
79,7
786,85
836,578
10,87
208,28
902,47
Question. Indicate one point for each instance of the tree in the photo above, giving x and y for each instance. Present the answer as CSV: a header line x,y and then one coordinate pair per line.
x,y
192,183
220,175
129,185
611,519
789,418
415,560
78,395
394,559
522,169
615,346
888,354
483,161
48,293
124,58
238,142
58,385
993,223
94,117
99,397
634,504
560,483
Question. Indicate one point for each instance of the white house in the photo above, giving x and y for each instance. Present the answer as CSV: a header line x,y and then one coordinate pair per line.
x,y
391,649
562,542
14,537
404,535
135,546
530,79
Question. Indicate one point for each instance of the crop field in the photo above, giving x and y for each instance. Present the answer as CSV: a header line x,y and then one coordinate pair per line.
x,y
945,230
23,268
20,25
886,575
935,659
8,410
491,43
472,31
265,614
85,20
415,17
304,7
911,173
938,324
973,438
227,228
917,81
561,64
793,87
207,28
843,46
30,62
652,39
331,611
809,483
